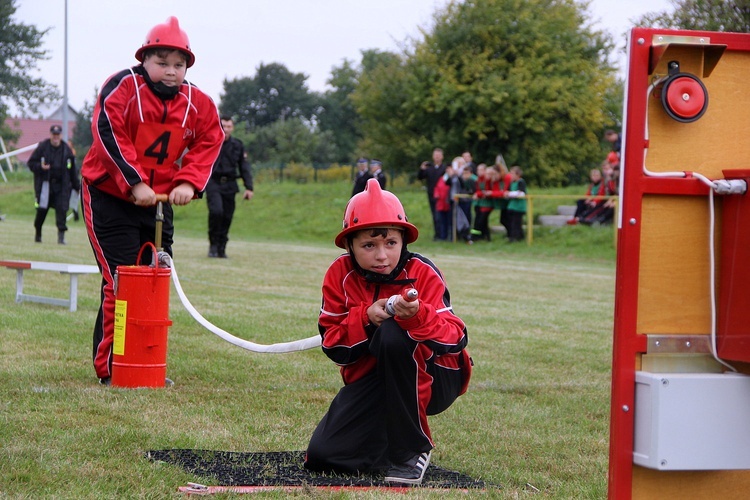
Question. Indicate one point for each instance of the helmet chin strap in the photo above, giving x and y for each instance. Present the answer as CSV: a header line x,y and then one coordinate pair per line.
x,y
163,91
373,277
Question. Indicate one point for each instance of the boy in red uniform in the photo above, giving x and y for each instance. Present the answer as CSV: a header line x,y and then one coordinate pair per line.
x,y
400,360
145,117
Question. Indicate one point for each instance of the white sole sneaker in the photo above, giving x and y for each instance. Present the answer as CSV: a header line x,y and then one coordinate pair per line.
x,y
411,472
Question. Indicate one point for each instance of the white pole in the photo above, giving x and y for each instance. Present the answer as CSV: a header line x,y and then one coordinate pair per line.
x,y
65,80
10,169
18,151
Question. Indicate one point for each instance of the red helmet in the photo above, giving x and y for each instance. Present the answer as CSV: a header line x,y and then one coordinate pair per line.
x,y
169,36
374,207
613,158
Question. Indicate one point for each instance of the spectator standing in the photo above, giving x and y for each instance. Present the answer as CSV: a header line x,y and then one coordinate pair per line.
x,y
55,177
468,187
487,197
481,177
400,360
144,119
516,204
376,172
363,174
505,180
431,172
444,204
613,138
222,188
468,162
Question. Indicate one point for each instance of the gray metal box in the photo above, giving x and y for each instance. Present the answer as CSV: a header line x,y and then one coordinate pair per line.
x,y
692,421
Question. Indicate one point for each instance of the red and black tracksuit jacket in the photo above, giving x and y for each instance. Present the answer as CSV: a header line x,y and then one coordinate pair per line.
x,y
139,137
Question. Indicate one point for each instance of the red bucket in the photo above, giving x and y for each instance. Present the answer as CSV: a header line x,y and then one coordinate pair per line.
x,y
141,322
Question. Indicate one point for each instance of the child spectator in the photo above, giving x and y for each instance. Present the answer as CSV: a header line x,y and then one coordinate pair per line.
x,y
444,204
481,177
587,209
613,189
504,185
487,197
516,204
468,187
144,118
400,361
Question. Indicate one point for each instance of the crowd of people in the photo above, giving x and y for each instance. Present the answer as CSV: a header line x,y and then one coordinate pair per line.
x,y
473,192
462,195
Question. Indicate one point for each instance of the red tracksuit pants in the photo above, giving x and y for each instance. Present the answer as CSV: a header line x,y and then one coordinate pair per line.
x,y
117,230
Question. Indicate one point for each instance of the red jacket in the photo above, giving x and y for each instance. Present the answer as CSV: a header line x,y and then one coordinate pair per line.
x,y
343,321
123,146
442,195
596,192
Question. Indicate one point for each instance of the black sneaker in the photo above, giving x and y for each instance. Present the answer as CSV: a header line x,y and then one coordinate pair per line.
x,y
410,472
105,381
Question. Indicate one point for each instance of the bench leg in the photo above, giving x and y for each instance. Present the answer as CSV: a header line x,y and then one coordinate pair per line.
x,y
19,285
73,292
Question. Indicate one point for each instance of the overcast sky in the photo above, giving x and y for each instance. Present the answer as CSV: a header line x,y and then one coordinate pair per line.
x,y
231,38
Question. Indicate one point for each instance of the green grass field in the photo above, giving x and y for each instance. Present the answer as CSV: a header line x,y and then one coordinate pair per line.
x,y
539,321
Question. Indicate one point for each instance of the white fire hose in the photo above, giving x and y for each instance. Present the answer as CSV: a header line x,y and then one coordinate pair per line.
x,y
297,345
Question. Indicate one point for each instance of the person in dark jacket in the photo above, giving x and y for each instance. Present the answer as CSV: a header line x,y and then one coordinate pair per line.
x,y
432,172
222,188
376,171
55,175
363,175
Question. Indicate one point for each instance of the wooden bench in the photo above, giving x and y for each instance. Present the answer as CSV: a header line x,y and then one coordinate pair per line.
x,y
74,270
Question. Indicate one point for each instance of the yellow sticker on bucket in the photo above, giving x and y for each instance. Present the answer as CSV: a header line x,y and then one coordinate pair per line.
x,y
121,316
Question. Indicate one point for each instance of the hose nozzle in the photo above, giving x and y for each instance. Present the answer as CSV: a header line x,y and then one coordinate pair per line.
x,y
409,295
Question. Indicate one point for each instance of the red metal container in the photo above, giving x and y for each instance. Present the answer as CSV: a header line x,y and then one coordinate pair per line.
x,y
141,323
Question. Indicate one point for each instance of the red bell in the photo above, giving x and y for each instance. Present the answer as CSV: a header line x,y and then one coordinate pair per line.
x,y
684,97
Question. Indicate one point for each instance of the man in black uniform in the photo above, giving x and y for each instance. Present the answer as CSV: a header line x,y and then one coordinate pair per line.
x,y
431,172
222,188
55,174
376,171
363,174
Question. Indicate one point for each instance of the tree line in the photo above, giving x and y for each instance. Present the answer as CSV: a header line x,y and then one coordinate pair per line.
x,y
531,80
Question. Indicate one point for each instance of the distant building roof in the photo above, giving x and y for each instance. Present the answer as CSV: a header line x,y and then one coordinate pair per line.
x,y
57,113
32,131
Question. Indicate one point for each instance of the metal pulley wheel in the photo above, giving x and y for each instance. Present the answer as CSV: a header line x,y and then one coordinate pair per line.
x,y
684,97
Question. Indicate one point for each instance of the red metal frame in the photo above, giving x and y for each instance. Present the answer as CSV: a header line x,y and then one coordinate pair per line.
x,y
628,343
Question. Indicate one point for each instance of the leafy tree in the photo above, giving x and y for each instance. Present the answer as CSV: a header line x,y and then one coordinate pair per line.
x,y
524,78
702,15
286,141
20,50
338,116
275,93
379,99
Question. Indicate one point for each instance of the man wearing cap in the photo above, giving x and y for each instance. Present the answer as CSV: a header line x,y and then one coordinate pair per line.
x,y
363,174
55,175
376,171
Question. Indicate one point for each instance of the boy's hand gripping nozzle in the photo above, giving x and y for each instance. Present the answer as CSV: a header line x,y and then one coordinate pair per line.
x,y
409,295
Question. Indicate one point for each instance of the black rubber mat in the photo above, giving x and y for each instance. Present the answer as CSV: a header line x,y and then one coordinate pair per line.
x,y
284,468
